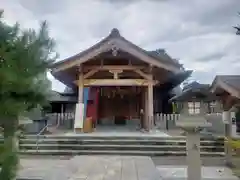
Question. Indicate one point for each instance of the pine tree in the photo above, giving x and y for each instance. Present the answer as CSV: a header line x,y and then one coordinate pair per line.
x,y
237,27
25,56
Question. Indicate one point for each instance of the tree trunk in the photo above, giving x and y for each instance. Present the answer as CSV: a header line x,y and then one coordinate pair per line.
x,y
10,156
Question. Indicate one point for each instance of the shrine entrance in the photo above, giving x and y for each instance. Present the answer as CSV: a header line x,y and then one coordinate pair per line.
x,y
119,105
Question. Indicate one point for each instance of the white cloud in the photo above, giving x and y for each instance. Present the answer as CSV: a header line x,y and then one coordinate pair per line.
x,y
198,32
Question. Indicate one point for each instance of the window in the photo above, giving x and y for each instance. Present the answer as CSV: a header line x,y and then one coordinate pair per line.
x,y
194,107
212,107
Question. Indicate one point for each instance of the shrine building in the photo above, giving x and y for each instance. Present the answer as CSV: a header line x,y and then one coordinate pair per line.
x,y
115,80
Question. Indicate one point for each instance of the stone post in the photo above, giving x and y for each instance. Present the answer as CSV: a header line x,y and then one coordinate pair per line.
x,y
193,155
192,124
226,117
192,121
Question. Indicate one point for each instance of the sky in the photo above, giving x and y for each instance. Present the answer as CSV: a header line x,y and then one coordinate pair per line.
x,y
199,33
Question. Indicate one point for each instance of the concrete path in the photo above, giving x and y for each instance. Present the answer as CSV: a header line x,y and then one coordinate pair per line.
x,y
110,168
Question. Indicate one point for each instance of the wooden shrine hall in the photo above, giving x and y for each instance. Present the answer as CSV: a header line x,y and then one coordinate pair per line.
x,y
123,79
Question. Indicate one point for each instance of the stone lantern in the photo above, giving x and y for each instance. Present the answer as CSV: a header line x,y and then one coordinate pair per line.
x,y
192,121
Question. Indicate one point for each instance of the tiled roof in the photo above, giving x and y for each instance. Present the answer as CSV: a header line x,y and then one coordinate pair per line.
x,y
161,54
192,89
195,85
158,54
58,97
68,90
231,80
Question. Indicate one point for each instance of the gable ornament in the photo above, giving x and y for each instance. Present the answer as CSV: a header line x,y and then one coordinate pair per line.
x,y
114,49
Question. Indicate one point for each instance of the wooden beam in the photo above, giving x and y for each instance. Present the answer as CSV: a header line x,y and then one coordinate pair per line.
x,y
117,82
114,67
144,75
90,73
228,102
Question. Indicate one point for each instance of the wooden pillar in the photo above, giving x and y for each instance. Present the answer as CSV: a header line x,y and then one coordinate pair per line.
x,y
142,116
150,105
80,87
62,117
146,124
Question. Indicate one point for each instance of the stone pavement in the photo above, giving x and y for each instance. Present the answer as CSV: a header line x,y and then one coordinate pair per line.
x,y
208,173
111,168
90,168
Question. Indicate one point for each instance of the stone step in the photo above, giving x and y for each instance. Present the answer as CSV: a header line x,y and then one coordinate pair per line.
x,y
117,147
115,141
135,137
114,152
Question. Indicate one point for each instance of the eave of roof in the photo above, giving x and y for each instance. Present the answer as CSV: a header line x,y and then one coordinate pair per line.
x,y
58,97
175,80
227,83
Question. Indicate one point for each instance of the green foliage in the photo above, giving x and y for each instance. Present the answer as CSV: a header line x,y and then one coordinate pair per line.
x,y
25,56
237,28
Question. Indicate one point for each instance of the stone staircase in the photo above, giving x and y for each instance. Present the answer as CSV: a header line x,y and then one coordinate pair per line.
x,y
117,145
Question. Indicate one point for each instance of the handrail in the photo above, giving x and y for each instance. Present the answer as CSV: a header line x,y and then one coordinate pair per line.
x,y
40,132
38,135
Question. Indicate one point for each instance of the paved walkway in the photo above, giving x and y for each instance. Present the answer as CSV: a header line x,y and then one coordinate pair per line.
x,y
90,168
208,173
111,168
